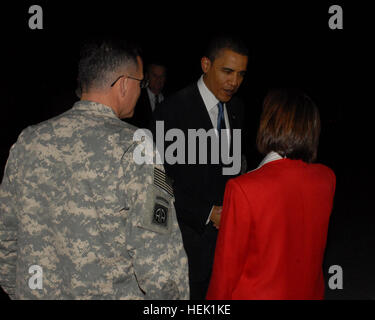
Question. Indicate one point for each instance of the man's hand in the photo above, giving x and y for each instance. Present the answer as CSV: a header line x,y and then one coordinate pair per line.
x,y
216,215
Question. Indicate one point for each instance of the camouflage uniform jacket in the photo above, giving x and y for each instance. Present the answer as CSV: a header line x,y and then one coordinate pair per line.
x,y
98,226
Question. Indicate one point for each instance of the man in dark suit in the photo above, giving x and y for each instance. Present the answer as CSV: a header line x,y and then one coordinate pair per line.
x,y
199,188
150,97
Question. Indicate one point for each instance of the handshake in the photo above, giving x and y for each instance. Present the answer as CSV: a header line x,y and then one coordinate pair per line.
x,y
216,215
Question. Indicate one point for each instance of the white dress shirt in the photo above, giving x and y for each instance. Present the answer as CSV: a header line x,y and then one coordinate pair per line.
x,y
210,101
152,98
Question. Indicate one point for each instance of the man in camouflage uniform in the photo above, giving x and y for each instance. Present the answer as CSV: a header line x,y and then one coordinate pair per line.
x,y
79,219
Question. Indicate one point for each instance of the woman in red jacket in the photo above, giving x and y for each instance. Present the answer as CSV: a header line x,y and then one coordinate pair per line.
x,y
274,222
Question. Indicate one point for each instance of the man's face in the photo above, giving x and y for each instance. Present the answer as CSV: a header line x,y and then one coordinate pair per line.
x,y
224,75
156,76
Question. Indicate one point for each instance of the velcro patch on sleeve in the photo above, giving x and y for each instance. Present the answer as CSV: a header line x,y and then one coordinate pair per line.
x,y
162,181
159,210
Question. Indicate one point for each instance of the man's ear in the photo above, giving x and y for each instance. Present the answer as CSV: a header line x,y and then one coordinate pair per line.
x,y
205,64
123,86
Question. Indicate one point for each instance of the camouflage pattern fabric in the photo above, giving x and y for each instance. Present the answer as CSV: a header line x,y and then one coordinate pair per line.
x,y
100,226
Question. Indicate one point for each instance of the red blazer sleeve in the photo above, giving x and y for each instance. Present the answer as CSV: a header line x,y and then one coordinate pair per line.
x,y
232,243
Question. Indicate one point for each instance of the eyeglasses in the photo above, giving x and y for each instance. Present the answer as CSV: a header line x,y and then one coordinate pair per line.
x,y
143,83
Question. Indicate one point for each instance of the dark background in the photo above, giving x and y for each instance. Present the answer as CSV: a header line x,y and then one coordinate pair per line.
x,y
292,46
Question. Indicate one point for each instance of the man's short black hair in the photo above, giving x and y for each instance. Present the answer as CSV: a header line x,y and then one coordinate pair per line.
x,y
225,41
101,58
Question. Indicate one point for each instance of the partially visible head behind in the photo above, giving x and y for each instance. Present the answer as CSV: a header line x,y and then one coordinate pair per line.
x,y
101,60
224,65
289,125
156,75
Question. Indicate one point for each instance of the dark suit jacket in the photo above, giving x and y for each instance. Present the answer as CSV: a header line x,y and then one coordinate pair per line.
x,y
197,187
143,116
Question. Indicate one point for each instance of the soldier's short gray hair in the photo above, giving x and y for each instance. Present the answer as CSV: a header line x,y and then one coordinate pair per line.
x,y
101,59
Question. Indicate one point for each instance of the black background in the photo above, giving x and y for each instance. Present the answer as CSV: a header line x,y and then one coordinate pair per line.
x,y
292,46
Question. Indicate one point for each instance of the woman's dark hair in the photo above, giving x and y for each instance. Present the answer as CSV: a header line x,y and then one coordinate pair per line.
x,y
289,125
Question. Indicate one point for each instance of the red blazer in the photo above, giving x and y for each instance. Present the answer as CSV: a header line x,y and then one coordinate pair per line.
x,y
273,233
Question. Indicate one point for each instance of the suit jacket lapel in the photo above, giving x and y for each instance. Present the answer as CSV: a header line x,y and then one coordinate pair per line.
x,y
199,110
232,122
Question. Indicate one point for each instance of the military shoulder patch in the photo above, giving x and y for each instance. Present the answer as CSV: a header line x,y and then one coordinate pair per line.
x,y
159,209
160,216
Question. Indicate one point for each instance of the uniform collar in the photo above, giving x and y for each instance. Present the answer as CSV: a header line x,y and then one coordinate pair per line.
x,y
95,107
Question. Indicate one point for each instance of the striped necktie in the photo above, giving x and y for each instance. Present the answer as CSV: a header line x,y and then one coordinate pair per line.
x,y
156,100
220,117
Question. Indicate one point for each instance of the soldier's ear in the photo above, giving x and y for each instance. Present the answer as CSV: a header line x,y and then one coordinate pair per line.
x,y
123,86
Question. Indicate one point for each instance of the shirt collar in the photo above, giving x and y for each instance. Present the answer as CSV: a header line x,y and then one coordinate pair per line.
x,y
153,95
209,98
150,93
271,156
